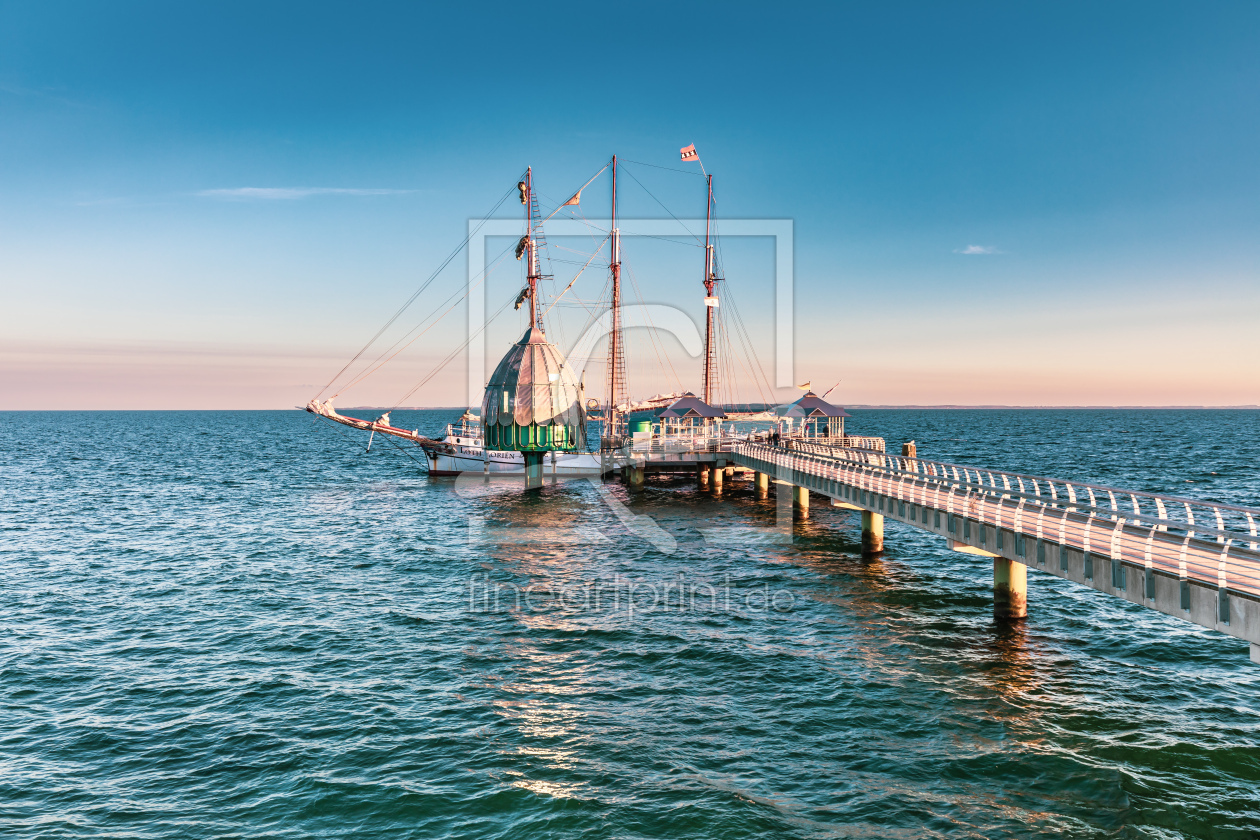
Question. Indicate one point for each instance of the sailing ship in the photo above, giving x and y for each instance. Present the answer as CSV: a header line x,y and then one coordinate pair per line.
x,y
534,412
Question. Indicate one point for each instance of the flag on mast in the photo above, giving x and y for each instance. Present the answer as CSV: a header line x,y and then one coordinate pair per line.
x,y
577,199
804,387
689,152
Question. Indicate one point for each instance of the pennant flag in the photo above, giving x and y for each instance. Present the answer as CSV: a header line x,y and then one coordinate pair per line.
x,y
804,387
689,152
577,199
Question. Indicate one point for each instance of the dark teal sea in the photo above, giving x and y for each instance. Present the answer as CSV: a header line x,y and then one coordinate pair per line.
x,y
241,624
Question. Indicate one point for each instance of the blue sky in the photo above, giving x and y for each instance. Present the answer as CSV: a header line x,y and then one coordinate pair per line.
x,y
993,203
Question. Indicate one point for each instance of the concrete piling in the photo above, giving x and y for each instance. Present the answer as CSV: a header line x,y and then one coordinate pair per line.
x,y
801,496
1010,589
872,532
718,473
702,476
763,485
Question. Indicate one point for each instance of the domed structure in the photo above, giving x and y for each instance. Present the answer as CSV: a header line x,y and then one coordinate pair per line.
x,y
533,403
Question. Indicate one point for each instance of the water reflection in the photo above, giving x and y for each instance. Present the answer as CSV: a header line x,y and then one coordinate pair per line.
x,y
550,729
1015,671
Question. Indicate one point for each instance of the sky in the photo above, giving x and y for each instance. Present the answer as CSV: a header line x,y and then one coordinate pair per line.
x,y
209,206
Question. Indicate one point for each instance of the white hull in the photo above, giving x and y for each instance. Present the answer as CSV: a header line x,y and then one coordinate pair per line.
x,y
463,458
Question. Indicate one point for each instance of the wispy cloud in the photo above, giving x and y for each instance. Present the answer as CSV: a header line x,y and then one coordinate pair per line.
x,y
977,249
290,193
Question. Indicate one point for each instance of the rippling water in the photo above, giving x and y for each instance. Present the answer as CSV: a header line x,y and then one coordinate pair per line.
x,y
241,624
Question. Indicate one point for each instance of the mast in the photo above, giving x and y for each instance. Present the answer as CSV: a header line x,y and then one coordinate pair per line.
x,y
710,304
535,315
616,351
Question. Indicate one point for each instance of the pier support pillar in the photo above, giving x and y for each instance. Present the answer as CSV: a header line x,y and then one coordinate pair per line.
x,y
717,479
702,476
872,532
1010,589
730,472
637,475
763,485
533,469
801,496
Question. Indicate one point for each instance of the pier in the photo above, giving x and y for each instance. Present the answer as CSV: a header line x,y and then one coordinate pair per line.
x,y
1191,559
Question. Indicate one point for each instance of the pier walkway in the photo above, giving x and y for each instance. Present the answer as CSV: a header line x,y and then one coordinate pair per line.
x,y
1187,558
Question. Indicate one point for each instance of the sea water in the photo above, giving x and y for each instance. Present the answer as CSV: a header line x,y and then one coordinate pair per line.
x,y
244,624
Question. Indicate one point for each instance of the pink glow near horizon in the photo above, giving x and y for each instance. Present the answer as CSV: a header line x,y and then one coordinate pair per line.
x,y
47,377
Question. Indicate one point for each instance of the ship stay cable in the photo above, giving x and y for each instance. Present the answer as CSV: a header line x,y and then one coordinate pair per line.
x,y
560,207
741,330
726,353
742,334
462,245
556,299
459,349
662,357
541,238
391,352
673,240
663,207
457,298
337,428
594,314
658,166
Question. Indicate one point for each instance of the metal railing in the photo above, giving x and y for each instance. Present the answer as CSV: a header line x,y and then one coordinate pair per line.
x,y
826,444
727,441
1190,538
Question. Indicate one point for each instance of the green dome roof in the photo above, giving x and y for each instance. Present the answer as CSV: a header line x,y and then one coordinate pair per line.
x,y
533,388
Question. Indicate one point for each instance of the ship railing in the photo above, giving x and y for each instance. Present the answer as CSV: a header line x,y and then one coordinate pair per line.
x,y
1190,538
464,428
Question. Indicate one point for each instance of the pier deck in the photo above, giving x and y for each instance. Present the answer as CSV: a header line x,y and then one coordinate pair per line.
x,y
1190,559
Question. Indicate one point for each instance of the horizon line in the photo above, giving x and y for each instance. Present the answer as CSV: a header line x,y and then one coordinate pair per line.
x,y
858,406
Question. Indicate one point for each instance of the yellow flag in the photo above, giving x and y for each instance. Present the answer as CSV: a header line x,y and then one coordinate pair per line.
x,y
804,387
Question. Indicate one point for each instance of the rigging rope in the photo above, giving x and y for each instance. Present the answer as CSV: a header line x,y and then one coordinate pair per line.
x,y
511,298
652,332
575,278
578,193
741,330
663,207
485,218
458,297
741,333
658,166
337,428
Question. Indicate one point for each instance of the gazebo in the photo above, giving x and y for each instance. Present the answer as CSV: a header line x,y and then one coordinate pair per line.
x,y
811,410
688,409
